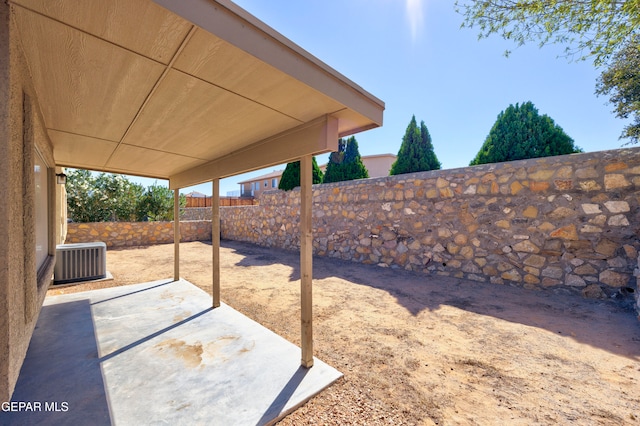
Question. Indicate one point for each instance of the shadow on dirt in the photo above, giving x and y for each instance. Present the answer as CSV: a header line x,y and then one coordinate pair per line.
x,y
599,323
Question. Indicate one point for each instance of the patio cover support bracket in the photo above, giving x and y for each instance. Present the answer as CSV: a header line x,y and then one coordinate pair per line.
x,y
215,240
306,261
176,234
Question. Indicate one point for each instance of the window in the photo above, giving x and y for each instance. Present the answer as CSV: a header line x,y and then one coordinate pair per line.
x,y
274,182
41,183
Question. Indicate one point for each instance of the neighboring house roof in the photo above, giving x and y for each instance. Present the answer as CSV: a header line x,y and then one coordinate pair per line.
x,y
196,194
186,90
364,158
278,173
273,174
380,156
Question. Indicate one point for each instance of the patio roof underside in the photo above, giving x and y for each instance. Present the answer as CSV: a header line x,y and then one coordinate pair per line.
x,y
201,92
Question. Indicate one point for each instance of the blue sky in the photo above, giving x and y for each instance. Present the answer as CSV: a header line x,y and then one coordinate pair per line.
x,y
414,56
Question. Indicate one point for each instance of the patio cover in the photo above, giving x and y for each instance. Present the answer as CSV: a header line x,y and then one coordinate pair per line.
x,y
190,91
185,90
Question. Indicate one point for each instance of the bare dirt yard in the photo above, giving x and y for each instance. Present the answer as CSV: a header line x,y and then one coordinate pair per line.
x,y
425,350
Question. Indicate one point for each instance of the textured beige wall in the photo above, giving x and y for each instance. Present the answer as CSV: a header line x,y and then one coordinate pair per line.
x,y
21,130
379,165
5,175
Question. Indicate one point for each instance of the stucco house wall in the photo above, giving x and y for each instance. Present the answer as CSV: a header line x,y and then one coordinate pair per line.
x,y
379,165
22,284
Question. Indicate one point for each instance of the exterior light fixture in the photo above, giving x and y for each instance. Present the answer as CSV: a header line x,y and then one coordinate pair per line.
x,y
61,178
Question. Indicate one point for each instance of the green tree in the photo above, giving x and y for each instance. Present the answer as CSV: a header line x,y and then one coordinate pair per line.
x,y
82,197
109,197
621,82
105,197
521,132
156,204
427,147
291,175
118,197
416,152
589,28
345,163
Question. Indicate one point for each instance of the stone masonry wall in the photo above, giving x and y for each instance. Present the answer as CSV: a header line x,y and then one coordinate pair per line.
x,y
568,221
636,272
126,234
195,213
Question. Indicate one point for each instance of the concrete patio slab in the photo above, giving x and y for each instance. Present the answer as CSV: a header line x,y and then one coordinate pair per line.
x,y
156,353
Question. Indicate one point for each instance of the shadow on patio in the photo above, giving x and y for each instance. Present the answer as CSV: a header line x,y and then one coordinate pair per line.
x,y
157,353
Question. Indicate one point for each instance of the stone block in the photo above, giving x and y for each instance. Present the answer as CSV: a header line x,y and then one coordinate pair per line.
x,y
585,269
504,224
593,291
535,260
617,206
614,279
615,181
516,187
446,192
617,262
539,186
550,282
553,272
587,173
563,184
441,183
612,167
568,232
461,239
618,220
467,252
575,281
630,251
562,213
526,246
470,190
511,275
590,229
530,212
542,174
598,220
531,279
489,177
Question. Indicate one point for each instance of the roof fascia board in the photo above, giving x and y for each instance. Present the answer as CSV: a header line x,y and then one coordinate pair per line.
x,y
316,137
238,27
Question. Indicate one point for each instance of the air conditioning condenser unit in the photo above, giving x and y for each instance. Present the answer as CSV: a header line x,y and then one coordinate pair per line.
x,y
80,262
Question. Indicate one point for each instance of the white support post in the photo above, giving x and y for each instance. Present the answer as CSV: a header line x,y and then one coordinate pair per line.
x,y
306,261
176,234
215,240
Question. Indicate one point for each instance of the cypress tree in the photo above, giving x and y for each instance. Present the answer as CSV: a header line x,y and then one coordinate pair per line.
x,y
432,162
333,172
520,132
416,152
291,175
346,163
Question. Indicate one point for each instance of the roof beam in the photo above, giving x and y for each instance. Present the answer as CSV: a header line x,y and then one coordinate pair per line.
x,y
316,137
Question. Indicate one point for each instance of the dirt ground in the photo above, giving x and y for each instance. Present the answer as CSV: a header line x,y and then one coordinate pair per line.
x,y
425,350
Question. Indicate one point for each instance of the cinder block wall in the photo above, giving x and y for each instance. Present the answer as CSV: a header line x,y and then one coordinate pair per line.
x,y
564,222
22,288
